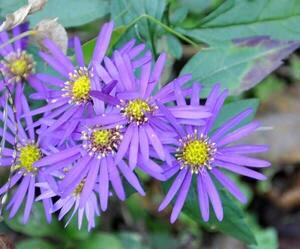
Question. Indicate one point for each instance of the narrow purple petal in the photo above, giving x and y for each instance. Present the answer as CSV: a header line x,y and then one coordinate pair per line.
x,y
230,124
241,170
123,148
103,184
90,181
243,161
130,177
134,146
229,185
102,42
30,199
116,180
173,189
213,195
181,197
239,133
203,198
78,52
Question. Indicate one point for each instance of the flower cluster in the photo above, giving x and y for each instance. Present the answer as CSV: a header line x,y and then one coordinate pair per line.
x,y
105,118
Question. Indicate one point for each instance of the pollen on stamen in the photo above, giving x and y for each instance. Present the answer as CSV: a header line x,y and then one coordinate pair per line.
x,y
28,155
17,66
99,141
137,110
196,152
79,86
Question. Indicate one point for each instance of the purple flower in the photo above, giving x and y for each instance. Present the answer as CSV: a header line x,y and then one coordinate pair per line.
x,y
203,153
92,155
137,106
69,96
17,66
90,209
22,149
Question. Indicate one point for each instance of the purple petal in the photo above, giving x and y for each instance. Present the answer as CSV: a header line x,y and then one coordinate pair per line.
x,y
144,143
173,189
181,197
123,148
103,184
54,158
241,170
116,180
243,160
155,141
130,177
239,133
229,185
203,198
102,42
90,181
134,145
230,124
213,195
29,201
78,52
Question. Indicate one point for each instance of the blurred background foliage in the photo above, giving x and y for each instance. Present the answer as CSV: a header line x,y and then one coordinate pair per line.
x,y
235,42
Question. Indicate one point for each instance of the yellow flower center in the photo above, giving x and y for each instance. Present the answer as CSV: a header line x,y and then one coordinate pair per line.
x,y
101,138
136,110
29,154
81,88
19,67
196,153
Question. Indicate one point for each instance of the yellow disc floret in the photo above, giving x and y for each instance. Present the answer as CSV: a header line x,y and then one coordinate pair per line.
x,y
136,110
19,67
101,137
29,154
195,153
81,88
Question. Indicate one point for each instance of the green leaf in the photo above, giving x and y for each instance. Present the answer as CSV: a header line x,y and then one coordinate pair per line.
x,y
88,47
234,108
174,46
72,13
125,12
10,6
101,241
238,66
266,239
37,225
234,222
177,16
35,244
132,241
278,19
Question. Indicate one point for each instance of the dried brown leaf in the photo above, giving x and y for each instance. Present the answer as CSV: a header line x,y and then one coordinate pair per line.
x,y
20,15
50,28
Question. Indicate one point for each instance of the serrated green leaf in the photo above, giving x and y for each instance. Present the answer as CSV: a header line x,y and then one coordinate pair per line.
x,y
238,66
35,244
72,13
37,225
101,241
241,19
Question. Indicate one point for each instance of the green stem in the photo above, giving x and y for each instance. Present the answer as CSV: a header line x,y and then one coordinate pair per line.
x,y
18,37
164,26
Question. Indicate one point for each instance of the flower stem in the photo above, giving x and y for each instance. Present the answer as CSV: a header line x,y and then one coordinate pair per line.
x,y
18,37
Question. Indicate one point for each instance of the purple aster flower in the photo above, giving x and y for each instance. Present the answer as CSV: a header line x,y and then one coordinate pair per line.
x,y
17,66
93,157
202,153
71,203
22,149
69,96
137,104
